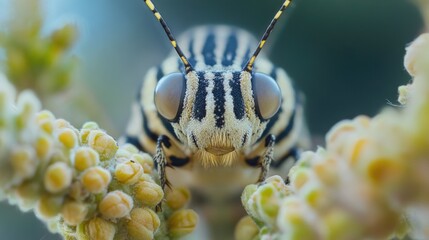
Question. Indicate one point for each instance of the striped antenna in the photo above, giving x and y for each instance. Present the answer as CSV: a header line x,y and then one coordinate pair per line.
x,y
249,64
188,66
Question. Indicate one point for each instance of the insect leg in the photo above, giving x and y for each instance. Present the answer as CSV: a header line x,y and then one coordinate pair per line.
x,y
267,157
161,159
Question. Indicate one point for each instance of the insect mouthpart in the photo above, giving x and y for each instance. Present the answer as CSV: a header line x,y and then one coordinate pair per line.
x,y
219,151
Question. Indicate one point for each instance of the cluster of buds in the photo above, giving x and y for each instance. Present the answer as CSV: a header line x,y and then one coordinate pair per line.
x,y
79,181
370,181
34,60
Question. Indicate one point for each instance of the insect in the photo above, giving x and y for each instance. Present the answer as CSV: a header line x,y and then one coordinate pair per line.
x,y
213,114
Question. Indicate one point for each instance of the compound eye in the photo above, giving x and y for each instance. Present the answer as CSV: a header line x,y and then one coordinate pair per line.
x,y
268,96
169,95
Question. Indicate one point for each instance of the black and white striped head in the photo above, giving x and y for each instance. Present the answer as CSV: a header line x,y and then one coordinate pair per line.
x,y
217,111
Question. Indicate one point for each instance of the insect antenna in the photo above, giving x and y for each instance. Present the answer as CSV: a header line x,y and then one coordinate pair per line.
x,y
249,64
151,6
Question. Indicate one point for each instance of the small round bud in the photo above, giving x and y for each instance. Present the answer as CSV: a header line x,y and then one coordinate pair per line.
x,y
74,213
177,198
78,191
143,224
96,228
116,204
24,162
58,177
67,137
86,129
148,193
48,207
96,179
145,160
104,144
85,157
61,123
182,222
28,194
246,229
130,148
46,119
300,177
27,104
128,172
43,146
267,200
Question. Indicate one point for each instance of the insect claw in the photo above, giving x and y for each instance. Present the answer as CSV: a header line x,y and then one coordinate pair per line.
x,y
168,184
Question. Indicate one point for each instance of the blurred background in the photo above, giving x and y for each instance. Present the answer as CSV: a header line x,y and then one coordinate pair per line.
x,y
345,55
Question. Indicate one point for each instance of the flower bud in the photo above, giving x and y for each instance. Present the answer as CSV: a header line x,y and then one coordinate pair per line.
x,y
58,177
116,204
85,157
128,172
86,129
67,137
24,162
96,228
96,179
148,193
48,207
182,222
104,144
43,146
74,213
177,198
143,224
246,229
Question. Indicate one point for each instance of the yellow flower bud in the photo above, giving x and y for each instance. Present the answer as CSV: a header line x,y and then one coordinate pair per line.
x,y
97,229
44,114
86,129
104,144
43,146
326,171
340,225
67,137
24,162
177,198
266,200
246,229
96,179
48,207
28,193
85,157
315,196
130,148
182,222
46,119
78,191
143,224
147,178
74,213
384,170
148,193
292,220
116,204
128,172
27,104
61,123
299,178
58,177
145,160
122,154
